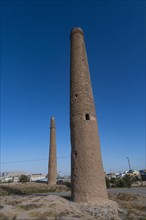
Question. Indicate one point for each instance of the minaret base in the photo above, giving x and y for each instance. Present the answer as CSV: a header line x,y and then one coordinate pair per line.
x,y
104,209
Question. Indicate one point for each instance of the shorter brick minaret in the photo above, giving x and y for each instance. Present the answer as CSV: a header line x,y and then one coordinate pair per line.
x,y
52,166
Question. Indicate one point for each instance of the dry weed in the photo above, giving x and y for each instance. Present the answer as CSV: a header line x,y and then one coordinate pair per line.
x,y
126,197
42,215
30,206
5,217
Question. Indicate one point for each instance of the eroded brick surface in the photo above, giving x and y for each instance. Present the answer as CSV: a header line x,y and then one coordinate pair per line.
x,y
87,175
52,167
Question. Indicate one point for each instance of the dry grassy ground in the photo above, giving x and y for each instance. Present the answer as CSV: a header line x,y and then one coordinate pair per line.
x,y
131,202
29,188
20,201
31,201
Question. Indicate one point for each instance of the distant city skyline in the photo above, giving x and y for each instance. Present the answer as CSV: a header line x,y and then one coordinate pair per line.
x,y
35,79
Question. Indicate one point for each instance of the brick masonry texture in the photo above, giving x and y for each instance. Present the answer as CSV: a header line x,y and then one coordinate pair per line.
x,y
87,175
52,166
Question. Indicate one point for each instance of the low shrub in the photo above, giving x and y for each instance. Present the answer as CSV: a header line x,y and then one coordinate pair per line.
x,y
126,181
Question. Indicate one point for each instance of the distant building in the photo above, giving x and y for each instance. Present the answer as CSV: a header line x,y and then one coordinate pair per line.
x,y
143,174
6,179
36,177
16,179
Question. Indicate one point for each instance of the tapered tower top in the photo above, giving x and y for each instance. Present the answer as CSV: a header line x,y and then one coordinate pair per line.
x,y
76,30
52,122
82,100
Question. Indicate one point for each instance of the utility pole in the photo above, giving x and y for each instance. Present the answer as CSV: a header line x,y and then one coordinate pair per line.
x,y
129,163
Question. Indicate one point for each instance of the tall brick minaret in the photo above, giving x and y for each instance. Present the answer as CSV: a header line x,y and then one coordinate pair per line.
x,y
87,175
52,166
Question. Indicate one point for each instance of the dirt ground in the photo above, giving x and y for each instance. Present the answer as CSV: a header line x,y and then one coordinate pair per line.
x,y
36,201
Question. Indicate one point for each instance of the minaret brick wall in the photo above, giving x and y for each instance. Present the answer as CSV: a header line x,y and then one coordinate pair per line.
x,y
87,174
52,166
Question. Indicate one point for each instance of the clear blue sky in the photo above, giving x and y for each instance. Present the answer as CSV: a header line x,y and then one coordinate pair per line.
x,y
35,56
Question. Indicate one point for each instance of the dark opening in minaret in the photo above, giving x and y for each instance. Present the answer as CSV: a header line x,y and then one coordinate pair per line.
x,y
76,153
76,95
87,116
